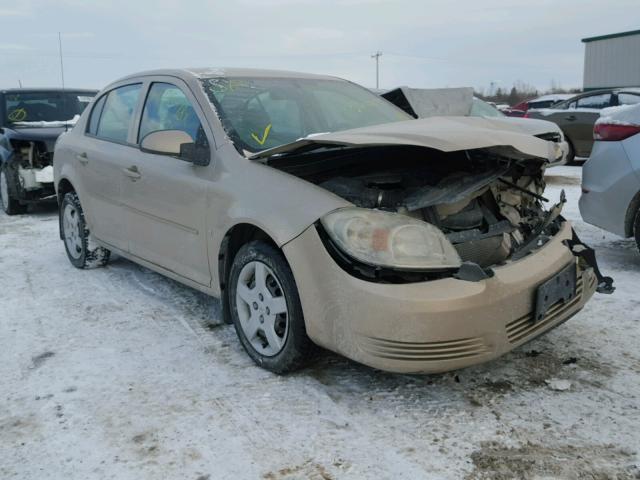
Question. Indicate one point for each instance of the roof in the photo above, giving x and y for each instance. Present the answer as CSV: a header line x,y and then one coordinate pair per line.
x,y
42,90
553,96
611,35
228,72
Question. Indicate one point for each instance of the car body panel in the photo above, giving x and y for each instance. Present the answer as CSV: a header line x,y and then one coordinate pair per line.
x,y
447,134
431,326
610,182
443,102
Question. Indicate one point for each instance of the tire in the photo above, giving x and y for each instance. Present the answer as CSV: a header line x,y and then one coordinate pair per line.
x,y
76,236
8,188
571,155
266,310
636,229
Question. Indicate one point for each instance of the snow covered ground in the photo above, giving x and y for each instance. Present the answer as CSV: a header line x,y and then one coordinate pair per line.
x,y
121,373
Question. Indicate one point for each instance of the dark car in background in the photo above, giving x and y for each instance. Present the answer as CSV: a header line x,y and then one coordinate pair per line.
x,y
30,122
577,116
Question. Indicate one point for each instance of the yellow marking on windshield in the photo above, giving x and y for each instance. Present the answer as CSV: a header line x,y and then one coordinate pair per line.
x,y
264,135
18,115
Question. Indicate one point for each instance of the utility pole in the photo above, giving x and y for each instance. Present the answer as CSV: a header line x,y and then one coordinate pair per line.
x,y
377,56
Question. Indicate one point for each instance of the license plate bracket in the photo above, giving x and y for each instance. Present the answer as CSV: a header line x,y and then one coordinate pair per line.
x,y
560,287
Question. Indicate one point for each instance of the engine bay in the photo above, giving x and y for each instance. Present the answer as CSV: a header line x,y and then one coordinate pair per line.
x,y
490,208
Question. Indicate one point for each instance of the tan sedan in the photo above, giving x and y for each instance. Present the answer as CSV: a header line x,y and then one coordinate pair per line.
x,y
321,214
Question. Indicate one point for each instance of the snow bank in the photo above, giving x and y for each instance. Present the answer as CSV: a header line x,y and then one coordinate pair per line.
x,y
621,115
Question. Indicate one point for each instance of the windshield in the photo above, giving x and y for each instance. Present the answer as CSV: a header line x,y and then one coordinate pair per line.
x,y
262,113
38,108
480,108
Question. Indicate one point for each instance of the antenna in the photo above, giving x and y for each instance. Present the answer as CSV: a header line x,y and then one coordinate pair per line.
x,y
64,97
61,63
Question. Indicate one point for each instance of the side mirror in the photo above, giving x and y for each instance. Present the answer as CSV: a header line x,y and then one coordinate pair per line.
x,y
176,143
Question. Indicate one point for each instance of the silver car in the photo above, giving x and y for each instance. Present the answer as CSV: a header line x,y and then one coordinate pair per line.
x,y
611,177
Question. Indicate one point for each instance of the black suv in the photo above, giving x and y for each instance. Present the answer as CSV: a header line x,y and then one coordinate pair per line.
x,y
30,122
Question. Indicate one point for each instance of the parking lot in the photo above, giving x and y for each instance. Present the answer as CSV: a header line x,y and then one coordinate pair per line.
x,y
122,373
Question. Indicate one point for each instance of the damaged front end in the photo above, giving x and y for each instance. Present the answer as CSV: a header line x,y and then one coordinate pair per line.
x,y
490,207
29,164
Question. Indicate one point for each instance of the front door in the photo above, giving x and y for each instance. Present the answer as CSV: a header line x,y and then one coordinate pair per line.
x,y
167,197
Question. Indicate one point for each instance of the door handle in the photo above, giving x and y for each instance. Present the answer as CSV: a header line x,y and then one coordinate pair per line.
x,y
571,118
82,157
132,172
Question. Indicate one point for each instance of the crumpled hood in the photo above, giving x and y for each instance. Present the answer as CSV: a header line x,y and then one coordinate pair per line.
x,y
447,134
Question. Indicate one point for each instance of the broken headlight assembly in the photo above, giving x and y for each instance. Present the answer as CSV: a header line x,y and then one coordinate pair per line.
x,y
391,240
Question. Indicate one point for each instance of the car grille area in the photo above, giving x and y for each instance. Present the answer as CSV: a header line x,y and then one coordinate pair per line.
x,y
424,351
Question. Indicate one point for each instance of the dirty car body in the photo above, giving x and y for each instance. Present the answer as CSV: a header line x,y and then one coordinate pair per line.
x,y
407,245
30,122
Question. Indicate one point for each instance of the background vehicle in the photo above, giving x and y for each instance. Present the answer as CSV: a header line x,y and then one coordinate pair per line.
x,y
30,122
611,177
577,116
545,101
430,102
225,181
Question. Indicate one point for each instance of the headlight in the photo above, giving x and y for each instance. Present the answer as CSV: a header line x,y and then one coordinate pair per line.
x,y
390,239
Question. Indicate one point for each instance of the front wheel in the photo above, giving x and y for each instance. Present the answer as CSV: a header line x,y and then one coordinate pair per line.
x,y
76,235
266,309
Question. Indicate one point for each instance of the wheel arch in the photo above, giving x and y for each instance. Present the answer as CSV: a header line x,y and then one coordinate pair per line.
x,y
63,187
237,236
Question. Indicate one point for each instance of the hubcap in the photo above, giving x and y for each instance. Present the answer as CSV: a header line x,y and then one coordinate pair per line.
x,y
71,228
4,190
262,308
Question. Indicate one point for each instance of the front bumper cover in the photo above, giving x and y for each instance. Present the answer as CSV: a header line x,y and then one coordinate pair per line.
x,y
436,325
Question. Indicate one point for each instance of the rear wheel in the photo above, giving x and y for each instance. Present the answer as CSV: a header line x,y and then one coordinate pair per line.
x,y
636,228
266,309
8,185
76,236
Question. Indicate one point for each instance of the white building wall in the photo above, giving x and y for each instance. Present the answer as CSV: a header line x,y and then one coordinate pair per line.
x,y
612,62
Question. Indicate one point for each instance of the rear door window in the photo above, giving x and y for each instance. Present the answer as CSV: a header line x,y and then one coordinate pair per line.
x,y
595,101
117,114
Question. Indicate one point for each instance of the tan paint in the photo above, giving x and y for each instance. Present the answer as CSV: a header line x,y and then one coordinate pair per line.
x,y
172,216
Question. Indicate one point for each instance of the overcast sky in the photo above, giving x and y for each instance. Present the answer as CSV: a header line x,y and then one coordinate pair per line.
x,y
424,43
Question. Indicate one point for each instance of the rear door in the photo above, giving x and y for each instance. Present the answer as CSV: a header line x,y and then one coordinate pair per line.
x,y
102,155
167,197
578,121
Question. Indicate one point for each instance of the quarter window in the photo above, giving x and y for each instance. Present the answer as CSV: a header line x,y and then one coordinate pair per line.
x,y
95,115
117,114
628,99
168,108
